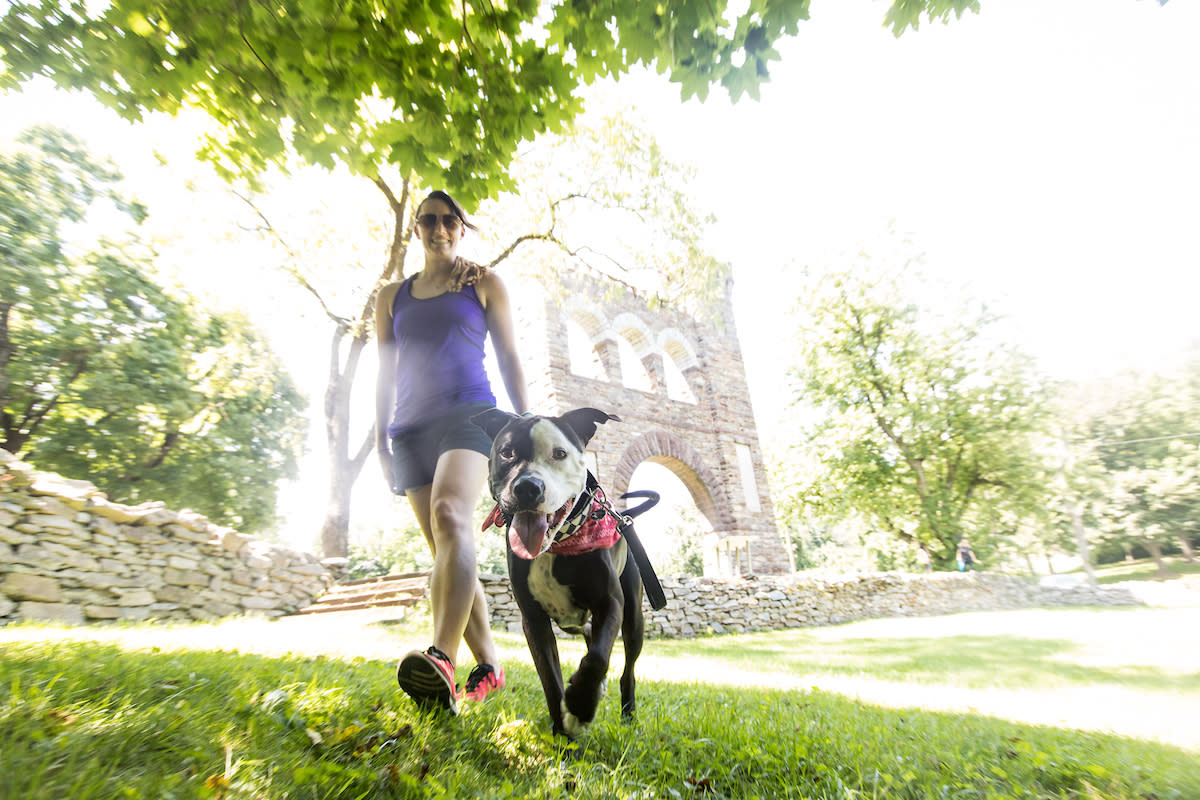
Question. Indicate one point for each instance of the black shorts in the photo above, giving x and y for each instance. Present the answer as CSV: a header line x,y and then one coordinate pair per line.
x,y
415,452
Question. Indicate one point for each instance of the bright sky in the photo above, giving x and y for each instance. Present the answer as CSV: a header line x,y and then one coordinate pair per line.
x,y
1046,154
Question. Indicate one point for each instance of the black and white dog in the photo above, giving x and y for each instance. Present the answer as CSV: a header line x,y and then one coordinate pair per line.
x,y
571,558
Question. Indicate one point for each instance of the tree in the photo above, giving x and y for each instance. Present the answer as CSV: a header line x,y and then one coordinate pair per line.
x,y
107,376
922,424
1141,436
439,94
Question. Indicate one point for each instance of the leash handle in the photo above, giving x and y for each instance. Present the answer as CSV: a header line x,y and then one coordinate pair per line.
x,y
649,496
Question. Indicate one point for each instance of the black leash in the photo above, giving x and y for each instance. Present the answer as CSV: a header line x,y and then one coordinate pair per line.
x,y
654,590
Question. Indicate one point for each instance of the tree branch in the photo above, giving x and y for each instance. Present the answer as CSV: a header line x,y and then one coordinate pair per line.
x,y
338,320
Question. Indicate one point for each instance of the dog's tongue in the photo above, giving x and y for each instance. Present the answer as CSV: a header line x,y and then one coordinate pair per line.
x,y
526,534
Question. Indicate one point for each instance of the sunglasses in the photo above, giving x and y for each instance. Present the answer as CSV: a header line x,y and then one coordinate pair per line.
x,y
430,221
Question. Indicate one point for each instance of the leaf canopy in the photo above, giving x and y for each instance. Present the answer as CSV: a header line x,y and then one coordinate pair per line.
x,y
445,90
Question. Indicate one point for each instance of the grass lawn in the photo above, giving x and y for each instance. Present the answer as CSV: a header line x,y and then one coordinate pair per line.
x,y
1066,703
1143,569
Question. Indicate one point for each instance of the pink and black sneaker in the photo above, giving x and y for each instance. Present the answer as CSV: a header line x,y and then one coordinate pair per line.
x,y
428,678
482,681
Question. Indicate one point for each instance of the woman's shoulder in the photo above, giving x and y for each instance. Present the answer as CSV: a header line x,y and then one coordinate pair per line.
x,y
388,293
392,288
488,285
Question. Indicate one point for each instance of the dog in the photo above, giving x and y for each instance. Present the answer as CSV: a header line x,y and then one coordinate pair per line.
x,y
571,559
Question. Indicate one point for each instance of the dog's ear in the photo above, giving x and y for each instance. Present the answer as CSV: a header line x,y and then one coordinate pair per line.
x,y
493,420
584,420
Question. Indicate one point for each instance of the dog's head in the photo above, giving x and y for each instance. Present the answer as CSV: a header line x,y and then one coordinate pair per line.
x,y
537,471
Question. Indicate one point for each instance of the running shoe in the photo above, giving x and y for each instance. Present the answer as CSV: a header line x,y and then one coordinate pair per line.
x,y
482,681
428,678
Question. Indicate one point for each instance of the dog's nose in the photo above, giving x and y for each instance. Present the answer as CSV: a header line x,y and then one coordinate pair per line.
x,y
529,490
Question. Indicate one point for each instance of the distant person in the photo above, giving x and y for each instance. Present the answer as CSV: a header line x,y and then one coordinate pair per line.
x,y
924,559
431,329
965,556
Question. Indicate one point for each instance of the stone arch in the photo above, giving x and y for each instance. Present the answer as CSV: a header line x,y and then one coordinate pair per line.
x,y
674,344
632,329
710,443
668,450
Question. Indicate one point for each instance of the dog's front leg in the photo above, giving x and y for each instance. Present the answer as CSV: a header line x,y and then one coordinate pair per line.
x,y
543,647
586,687
539,636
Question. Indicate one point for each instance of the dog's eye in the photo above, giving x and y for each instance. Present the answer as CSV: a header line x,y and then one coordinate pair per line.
x,y
507,453
559,454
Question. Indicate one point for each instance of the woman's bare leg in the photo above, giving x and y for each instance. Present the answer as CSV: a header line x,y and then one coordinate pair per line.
x,y
444,511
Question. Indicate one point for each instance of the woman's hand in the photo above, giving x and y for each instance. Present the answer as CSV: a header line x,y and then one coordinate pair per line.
x,y
386,466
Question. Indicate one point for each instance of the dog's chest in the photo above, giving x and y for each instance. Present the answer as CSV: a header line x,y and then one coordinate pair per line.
x,y
554,597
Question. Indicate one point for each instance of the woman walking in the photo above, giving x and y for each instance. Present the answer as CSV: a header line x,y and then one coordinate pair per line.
x,y
431,329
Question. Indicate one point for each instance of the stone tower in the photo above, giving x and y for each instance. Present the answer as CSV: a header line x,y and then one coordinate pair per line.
x,y
679,386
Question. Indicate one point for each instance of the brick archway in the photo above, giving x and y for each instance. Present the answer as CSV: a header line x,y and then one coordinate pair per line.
x,y
705,434
668,450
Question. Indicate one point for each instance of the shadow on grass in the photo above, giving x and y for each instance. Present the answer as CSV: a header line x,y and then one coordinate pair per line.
x,y
87,720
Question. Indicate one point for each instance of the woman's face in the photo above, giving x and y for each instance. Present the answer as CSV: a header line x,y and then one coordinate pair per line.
x,y
439,228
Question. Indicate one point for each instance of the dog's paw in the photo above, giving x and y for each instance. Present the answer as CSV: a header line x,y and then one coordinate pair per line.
x,y
573,725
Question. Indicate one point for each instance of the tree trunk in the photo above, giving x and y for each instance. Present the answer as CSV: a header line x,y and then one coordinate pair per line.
x,y
1081,542
1188,554
344,467
335,530
1156,552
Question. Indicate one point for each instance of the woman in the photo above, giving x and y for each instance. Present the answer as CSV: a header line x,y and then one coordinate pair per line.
x,y
431,329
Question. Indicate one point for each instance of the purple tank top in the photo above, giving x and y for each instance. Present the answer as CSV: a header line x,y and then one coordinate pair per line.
x,y
439,364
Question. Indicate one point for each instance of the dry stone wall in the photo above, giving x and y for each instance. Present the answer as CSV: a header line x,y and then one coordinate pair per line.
x,y
699,606
67,553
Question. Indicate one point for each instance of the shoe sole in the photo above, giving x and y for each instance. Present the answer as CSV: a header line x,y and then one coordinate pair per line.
x,y
425,684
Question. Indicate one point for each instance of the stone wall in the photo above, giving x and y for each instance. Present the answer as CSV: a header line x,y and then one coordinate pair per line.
x,y
698,606
67,553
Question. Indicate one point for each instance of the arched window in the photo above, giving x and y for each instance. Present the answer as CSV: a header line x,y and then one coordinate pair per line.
x,y
633,371
582,357
677,357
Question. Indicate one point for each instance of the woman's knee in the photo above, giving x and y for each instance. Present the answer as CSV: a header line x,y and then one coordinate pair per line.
x,y
450,517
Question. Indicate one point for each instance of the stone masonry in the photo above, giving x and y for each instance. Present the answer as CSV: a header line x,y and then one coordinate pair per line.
x,y
701,606
69,554
701,426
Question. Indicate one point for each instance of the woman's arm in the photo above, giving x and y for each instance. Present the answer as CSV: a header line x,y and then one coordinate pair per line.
x,y
385,381
494,297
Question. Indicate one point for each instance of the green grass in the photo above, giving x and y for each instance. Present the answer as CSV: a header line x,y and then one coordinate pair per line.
x,y
104,715
1142,570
